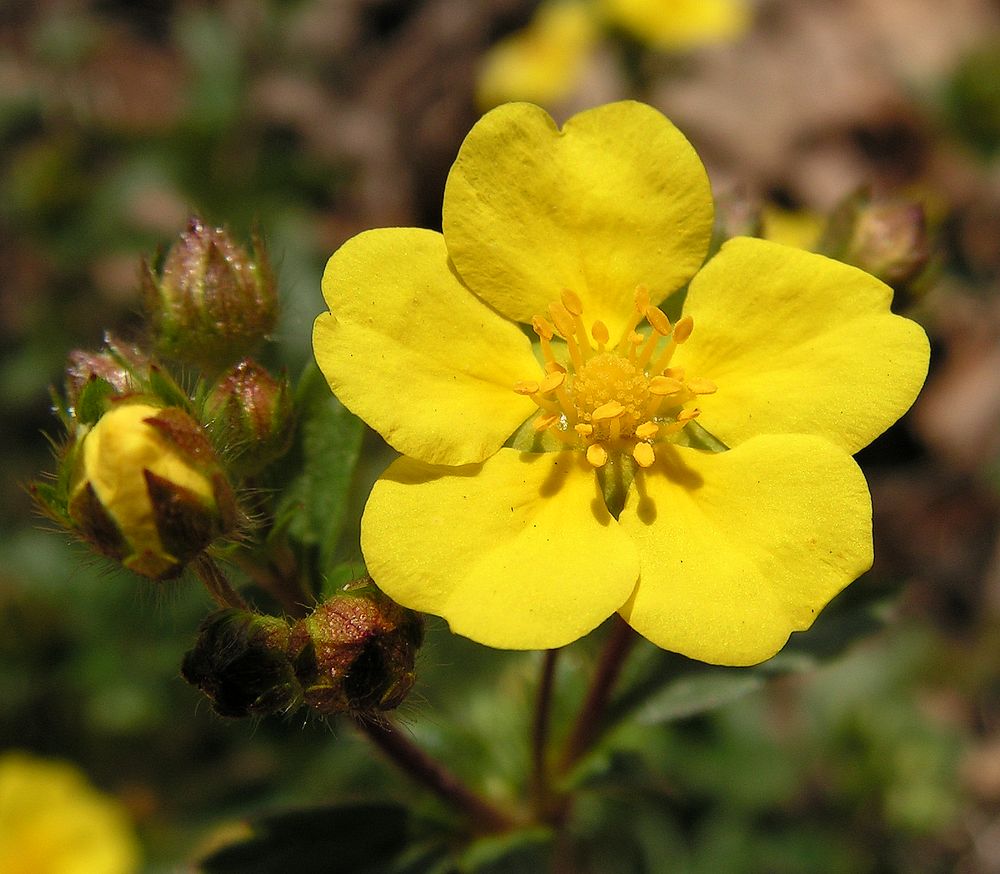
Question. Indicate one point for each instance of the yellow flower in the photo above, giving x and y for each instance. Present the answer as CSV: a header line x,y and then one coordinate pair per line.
x,y
544,61
723,442
679,24
799,228
52,821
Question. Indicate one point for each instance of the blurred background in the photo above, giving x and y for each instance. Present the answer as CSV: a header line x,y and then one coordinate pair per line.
x,y
876,748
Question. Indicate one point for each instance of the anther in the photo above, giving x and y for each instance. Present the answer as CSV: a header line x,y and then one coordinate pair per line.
x,y
686,416
665,385
525,387
562,320
542,327
658,319
641,299
551,381
610,410
583,429
572,302
597,455
599,331
647,430
699,386
683,329
644,454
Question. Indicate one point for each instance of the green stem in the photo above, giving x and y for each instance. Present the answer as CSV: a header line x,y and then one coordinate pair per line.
x,y
485,817
540,730
217,583
589,722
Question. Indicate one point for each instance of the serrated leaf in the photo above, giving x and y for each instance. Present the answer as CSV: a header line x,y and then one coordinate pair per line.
x,y
348,839
329,442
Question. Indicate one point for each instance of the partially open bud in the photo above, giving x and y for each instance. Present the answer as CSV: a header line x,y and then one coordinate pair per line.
x,y
240,663
213,303
250,417
356,651
148,490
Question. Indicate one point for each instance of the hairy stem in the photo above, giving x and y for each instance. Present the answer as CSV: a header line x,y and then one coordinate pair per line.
x,y
540,730
218,585
589,722
484,816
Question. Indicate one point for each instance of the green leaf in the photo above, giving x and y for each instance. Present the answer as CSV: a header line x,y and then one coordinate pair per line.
x,y
329,443
521,852
92,402
697,693
349,839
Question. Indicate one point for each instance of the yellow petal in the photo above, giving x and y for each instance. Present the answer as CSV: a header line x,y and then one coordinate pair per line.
x,y
615,199
798,343
679,24
517,553
408,349
738,549
542,62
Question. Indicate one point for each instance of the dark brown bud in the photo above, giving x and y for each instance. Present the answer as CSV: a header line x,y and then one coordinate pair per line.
x,y
240,663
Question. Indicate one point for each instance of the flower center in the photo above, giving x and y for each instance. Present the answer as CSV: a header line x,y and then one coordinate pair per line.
x,y
613,399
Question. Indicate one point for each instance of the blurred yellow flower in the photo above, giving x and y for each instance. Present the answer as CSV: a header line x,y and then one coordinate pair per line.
x,y
678,24
799,228
52,821
694,476
543,61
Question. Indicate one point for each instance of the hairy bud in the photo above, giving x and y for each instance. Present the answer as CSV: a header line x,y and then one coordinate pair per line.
x,y
212,303
147,489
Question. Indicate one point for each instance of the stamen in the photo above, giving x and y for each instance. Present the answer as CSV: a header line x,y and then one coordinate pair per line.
x,y
566,327
545,421
583,429
525,387
571,300
685,416
545,333
683,329
699,386
647,430
638,313
551,381
661,328
635,340
610,410
599,331
665,385
597,455
644,454
658,319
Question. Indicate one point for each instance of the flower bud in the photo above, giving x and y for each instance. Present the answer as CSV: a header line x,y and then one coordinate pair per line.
x,y
213,303
885,238
250,416
116,370
240,663
148,490
356,651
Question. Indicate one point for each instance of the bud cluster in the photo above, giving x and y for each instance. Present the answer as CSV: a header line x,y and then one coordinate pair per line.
x,y
148,472
354,653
